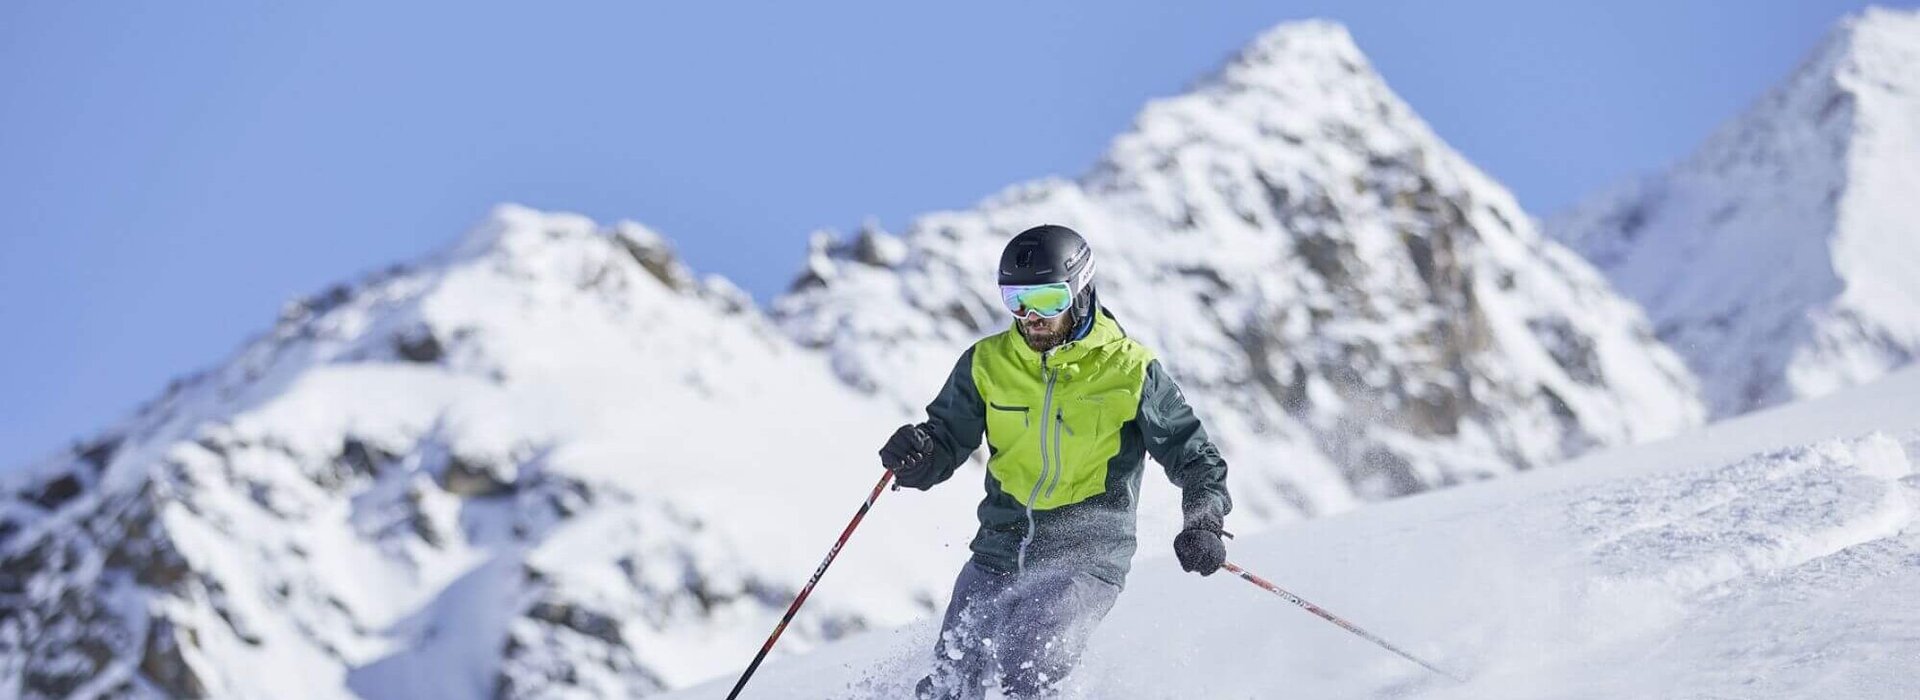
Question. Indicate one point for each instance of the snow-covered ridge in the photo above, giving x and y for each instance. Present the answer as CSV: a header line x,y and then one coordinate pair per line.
x,y
549,459
1783,257
1771,556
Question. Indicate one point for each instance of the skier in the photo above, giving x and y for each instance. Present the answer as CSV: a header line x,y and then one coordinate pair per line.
x,y
1070,405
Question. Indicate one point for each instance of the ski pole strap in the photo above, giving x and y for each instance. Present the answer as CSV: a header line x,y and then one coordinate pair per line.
x,y
1330,617
804,592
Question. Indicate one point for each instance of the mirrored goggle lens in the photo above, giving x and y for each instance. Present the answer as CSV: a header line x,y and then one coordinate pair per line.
x,y
1048,300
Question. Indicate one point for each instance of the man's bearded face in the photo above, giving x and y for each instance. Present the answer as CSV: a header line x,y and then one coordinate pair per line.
x,y
1043,334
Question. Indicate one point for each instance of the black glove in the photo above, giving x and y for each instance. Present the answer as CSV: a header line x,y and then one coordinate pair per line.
x,y
909,453
1199,546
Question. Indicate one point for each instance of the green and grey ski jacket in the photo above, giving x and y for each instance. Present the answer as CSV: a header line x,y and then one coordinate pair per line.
x,y
1067,434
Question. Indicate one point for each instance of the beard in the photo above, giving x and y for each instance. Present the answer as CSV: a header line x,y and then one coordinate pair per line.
x,y
1043,334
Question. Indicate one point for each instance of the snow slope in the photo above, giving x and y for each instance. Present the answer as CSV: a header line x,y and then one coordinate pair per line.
x,y
1783,257
1771,556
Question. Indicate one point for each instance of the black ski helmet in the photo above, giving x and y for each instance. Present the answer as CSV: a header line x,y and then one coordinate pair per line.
x,y
1051,253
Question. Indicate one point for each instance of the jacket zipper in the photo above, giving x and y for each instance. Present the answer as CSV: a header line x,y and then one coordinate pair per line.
x,y
1046,408
1059,465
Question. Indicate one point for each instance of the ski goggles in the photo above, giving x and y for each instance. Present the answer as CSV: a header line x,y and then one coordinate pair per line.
x,y
1048,300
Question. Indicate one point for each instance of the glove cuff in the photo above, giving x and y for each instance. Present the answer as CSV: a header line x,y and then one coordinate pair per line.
x,y
1206,522
1201,519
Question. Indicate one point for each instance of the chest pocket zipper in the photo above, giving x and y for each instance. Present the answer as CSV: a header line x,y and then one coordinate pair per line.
x,y
1022,410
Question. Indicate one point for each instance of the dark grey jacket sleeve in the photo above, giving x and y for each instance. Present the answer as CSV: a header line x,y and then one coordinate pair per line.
x,y
956,419
1179,443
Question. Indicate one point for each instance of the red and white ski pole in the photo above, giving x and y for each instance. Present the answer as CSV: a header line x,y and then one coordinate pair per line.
x,y
1330,617
817,573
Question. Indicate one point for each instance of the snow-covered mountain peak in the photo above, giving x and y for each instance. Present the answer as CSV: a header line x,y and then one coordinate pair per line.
x,y
1342,290
1782,256
1291,93
543,460
540,242
1284,52
1880,41
1880,256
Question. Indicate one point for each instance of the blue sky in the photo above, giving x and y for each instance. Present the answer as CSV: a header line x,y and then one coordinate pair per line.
x,y
171,173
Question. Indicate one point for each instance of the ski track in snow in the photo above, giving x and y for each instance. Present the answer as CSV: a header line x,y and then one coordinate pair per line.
x,y
1736,569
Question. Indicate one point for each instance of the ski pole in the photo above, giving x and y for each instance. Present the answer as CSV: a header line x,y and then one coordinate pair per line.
x,y
1330,617
817,573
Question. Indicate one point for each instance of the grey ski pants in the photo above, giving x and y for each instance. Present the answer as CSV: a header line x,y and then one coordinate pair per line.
x,y
1023,630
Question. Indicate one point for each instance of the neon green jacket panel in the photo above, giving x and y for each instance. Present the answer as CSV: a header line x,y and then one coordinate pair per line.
x,y
1112,406
1054,422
